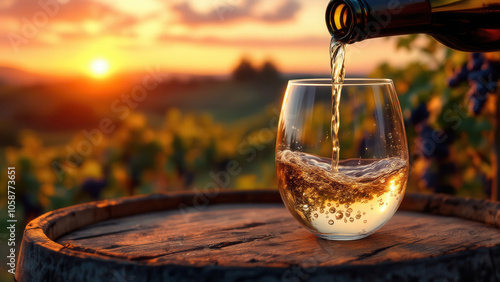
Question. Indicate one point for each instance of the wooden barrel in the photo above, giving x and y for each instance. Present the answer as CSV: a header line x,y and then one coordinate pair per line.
x,y
250,236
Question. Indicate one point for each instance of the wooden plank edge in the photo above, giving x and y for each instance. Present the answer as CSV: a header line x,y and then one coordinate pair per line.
x,y
484,211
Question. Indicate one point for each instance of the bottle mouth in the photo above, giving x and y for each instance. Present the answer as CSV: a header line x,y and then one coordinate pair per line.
x,y
341,18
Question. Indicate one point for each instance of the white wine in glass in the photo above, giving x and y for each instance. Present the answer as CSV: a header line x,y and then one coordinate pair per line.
x,y
362,194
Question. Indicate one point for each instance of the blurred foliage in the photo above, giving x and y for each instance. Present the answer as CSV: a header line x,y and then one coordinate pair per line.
x,y
189,150
450,130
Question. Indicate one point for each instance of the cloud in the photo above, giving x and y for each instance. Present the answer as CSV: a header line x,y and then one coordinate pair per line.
x,y
224,12
307,41
60,10
284,12
44,13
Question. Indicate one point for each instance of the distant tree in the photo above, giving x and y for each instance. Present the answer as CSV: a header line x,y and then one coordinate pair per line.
x,y
244,71
269,72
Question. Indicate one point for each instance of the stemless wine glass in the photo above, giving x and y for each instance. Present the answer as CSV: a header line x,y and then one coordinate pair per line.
x,y
354,200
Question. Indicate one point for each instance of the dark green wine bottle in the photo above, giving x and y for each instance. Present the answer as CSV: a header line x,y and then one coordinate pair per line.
x,y
466,25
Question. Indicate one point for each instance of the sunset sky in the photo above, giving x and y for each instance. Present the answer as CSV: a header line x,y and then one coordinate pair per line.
x,y
65,37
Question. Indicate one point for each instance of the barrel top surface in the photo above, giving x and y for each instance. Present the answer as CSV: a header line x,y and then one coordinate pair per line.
x,y
233,235
267,235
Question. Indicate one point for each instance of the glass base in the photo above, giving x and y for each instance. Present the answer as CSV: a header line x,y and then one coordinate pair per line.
x,y
340,237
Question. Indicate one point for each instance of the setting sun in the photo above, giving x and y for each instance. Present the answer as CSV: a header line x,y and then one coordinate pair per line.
x,y
99,67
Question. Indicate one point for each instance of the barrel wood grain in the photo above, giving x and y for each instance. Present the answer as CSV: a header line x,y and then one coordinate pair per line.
x,y
249,236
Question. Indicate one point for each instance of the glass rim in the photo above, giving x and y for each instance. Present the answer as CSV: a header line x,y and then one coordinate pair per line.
x,y
347,82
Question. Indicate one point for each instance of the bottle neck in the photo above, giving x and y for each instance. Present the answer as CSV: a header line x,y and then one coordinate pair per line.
x,y
355,20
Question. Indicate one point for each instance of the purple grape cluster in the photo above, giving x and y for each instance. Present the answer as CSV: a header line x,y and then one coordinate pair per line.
x,y
433,150
483,75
